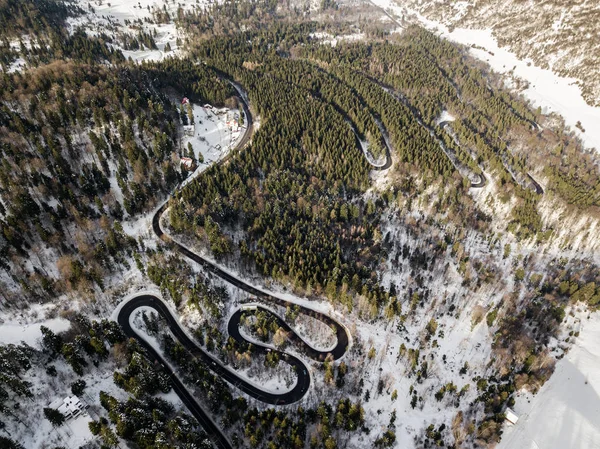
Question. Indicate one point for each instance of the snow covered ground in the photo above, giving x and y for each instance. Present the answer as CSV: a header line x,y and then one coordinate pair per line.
x,y
332,40
445,116
122,10
213,137
551,92
13,332
132,15
565,413
166,34
26,326
76,432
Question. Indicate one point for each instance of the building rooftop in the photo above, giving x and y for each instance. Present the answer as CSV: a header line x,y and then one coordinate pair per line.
x,y
70,406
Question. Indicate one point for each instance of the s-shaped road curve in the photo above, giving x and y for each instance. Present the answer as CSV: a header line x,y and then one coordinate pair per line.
x,y
303,377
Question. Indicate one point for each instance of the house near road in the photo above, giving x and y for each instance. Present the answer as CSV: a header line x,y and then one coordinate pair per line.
x,y
188,163
233,121
511,416
70,406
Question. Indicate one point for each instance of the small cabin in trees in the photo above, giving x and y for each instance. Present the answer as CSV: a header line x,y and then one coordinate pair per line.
x,y
70,406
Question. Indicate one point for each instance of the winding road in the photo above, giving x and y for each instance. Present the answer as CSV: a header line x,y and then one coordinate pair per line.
x,y
302,385
453,160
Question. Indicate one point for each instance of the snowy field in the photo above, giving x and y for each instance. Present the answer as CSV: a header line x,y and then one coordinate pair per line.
x,y
25,327
30,333
130,16
546,89
213,137
166,34
566,411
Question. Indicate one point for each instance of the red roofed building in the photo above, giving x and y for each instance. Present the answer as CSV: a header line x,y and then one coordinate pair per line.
x,y
188,163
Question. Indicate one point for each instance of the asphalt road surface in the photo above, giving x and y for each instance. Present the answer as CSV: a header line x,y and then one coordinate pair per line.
x,y
303,377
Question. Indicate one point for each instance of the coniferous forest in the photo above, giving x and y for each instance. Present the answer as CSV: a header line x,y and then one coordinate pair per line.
x,y
355,192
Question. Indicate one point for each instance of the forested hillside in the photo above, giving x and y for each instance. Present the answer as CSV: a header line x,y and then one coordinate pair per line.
x,y
82,148
378,198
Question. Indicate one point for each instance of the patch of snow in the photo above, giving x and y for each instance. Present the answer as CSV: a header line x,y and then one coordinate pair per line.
x,y
445,116
17,65
327,38
76,432
166,34
15,333
283,381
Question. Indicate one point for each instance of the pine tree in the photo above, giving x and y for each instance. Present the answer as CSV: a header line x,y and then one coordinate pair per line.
x,y
55,417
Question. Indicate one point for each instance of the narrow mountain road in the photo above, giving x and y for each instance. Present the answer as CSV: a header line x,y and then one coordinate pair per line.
x,y
303,377
289,397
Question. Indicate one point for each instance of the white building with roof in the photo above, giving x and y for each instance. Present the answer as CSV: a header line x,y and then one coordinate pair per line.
x,y
70,406
511,416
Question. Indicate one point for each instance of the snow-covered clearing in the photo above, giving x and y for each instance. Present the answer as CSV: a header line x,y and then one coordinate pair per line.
x,y
315,332
282,382
17,65
29,333
122,10
564,414
76,432
333,40
130,16
25,327
461,344
445,116
546,89
215,134
166,34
